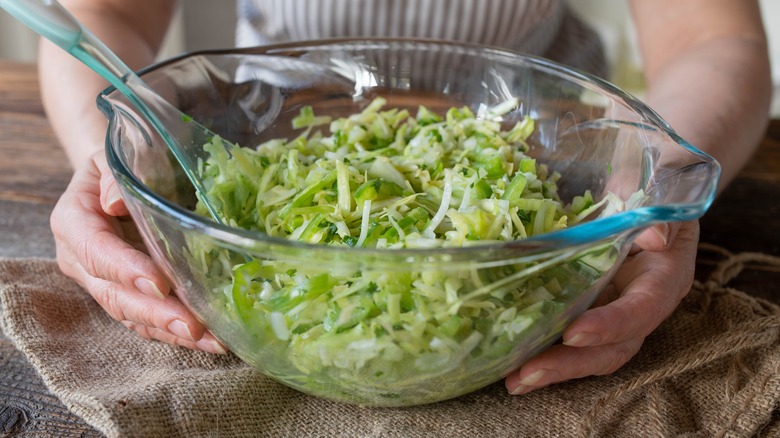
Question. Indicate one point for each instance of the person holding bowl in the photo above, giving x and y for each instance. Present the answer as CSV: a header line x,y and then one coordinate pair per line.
x,y
705,63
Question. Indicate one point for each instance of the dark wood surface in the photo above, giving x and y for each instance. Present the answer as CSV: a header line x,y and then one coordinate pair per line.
x,y
34,172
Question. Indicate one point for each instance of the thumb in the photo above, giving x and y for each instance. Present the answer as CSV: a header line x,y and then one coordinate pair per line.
x,y
110,197
658,237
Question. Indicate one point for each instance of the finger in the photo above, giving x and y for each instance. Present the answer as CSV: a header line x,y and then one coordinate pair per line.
x,y
208,343
110,196
679,258
104,255
131,235
608,295
646,302
126,304
651,285
658,237
561,362
86,236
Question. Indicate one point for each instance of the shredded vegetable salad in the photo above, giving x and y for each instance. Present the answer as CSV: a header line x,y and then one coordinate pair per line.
x,y
386,178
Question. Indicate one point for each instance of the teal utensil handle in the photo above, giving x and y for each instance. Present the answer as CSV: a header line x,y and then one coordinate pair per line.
x,y
51,20
48,18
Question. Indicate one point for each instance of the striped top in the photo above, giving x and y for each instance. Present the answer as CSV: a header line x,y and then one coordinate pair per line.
x,y
540,27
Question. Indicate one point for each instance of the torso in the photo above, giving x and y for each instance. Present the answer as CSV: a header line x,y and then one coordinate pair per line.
x,y
539,27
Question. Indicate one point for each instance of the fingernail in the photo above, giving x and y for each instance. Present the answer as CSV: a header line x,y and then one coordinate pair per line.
x,y
180,329
662,230
583,340
211,346
522,389
114,196
148,287
534,381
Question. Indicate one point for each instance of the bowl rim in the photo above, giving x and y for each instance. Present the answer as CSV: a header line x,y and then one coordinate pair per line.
x,y
599,229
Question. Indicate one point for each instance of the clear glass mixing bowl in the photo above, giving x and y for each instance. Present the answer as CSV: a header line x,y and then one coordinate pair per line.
x,y
598,138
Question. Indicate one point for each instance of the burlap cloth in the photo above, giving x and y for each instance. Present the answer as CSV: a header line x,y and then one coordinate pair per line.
x,y
709,370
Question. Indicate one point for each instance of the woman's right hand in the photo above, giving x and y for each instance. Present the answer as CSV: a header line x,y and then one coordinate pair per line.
x,y
99,247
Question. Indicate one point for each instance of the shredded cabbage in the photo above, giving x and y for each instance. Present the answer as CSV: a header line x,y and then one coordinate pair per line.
x,y
466,179
385,178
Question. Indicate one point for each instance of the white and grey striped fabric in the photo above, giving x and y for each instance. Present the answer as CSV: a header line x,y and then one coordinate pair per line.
x,y
540,27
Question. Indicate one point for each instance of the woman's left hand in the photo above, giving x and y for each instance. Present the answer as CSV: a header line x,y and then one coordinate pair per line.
x,y
647,288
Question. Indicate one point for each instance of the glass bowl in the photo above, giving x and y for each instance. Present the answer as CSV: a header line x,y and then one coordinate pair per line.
x,y
434,323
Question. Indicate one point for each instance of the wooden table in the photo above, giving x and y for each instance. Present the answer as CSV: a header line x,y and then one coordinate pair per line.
x,y
34,172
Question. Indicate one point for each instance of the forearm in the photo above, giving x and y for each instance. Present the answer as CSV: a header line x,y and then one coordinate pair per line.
x,y
714,102
69,89
713,87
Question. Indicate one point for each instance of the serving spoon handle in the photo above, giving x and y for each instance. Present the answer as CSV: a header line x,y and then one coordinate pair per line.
x,y
52,21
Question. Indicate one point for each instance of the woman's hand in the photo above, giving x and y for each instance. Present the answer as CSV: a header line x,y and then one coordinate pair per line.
x,y
646,289
99,247
707,69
